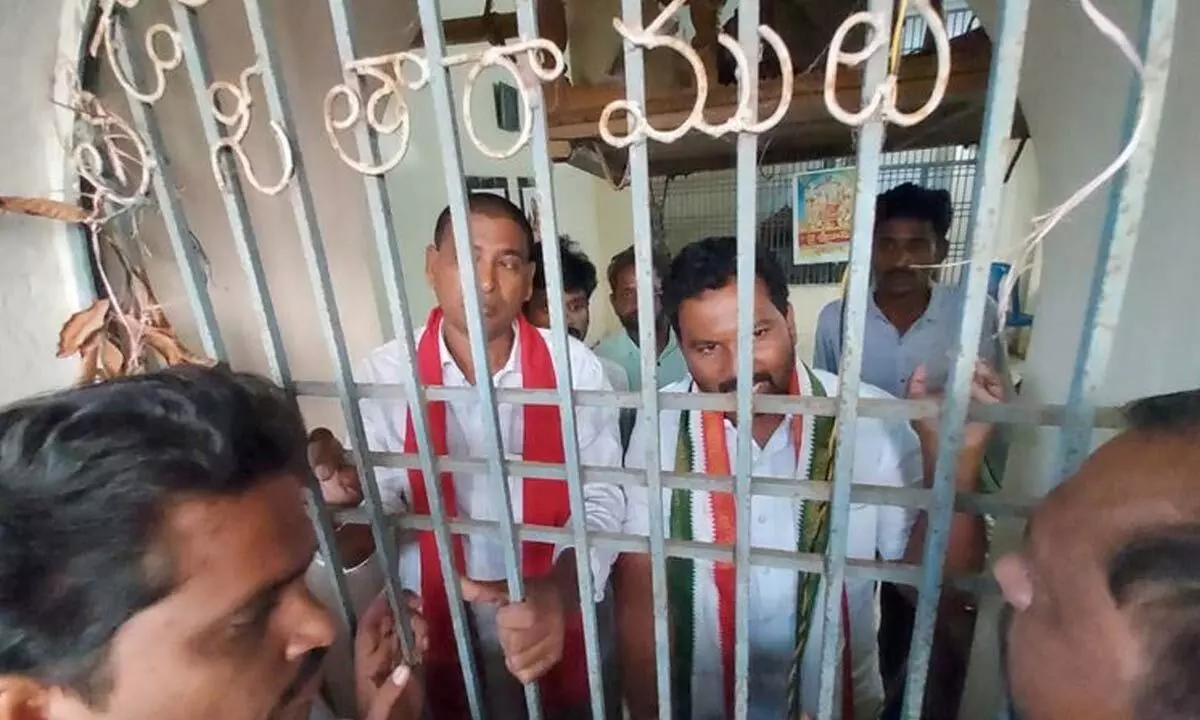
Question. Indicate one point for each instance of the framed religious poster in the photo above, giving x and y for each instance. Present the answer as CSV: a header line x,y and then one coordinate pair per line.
x,y
822,215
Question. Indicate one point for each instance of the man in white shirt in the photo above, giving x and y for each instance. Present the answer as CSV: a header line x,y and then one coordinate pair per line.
x,y
523,640
701,299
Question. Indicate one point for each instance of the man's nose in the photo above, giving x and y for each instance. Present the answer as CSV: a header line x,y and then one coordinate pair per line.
x,y
486,274
312,626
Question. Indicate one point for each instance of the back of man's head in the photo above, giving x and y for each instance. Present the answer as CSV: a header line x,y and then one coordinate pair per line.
x,y
86,479
1105,595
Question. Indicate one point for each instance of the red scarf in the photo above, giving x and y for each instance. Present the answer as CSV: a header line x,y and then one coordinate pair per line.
x,y
544,502
724,517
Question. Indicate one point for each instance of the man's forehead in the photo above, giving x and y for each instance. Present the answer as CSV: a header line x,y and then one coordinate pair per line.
x,y
491,229
1134,481
233,545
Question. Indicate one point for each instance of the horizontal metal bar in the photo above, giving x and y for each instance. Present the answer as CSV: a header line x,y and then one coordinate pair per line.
x,y
1047,415
763,485
856,569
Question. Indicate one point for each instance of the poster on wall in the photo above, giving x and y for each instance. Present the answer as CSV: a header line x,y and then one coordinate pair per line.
x,y
822,215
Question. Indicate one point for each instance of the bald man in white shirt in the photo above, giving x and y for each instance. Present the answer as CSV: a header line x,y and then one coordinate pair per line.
x,y
539,638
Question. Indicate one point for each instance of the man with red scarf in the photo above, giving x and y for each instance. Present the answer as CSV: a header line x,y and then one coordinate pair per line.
x,y
539,639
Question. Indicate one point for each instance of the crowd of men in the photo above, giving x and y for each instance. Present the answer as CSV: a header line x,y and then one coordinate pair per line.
x,y
157,560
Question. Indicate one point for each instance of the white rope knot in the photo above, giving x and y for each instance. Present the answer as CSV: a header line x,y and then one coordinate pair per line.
x,y
160,63
883,99
388,70
744,118
502,56
239,123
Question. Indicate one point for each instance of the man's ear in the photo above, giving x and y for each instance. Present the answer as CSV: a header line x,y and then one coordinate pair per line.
x,y
23,699
431,257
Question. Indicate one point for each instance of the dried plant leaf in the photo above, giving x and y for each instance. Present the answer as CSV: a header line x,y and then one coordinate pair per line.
x,y
147,303
79,329
112,360
89,361
168,347
44,207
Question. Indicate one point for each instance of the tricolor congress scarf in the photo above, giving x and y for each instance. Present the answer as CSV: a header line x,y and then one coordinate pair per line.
x,y
544,502
702,448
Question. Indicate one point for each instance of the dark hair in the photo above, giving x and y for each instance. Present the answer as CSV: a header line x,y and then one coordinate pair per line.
x,y
626,259
86,477
1177,412
711,264
1157,576
578,273
485,203
913,202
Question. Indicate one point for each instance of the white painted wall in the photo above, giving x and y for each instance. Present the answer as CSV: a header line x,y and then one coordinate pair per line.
x,y
594,215
1073,91
40,284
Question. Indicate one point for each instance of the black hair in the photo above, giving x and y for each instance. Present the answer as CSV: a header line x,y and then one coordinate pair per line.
x,y
626,259
711,264
578,272
86,478
1156,575
913,202
1177,412
487,204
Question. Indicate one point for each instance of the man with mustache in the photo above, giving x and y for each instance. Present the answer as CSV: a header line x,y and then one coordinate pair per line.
x,y
913,321
153,545
579,282
1103,616
621,346
786,613
517,643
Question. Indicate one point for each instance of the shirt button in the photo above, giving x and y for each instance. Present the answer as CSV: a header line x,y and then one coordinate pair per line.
x,y
762,519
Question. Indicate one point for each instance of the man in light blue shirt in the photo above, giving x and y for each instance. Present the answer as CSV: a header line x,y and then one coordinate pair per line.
x,y
621,346
912,320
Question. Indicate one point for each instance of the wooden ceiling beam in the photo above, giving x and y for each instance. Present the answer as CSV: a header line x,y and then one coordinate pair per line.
x,y
493,28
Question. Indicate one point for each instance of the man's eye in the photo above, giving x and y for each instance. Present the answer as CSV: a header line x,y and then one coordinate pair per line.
x,y
761,332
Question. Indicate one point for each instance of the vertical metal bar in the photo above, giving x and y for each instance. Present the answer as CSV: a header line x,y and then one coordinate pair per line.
x,y
309,232
1114,259
452,162
983,231
195,282
260,295
643,242
858,281
747,242
394,285
548,226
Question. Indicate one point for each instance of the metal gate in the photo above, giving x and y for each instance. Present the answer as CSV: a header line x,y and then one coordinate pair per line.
x,y
144,75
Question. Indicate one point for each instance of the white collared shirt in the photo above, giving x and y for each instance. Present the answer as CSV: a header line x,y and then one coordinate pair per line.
x,y
599,445
885,454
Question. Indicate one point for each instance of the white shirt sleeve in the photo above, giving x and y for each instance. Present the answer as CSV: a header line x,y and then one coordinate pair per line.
x,y
384,424
899,464
599,446
637,498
